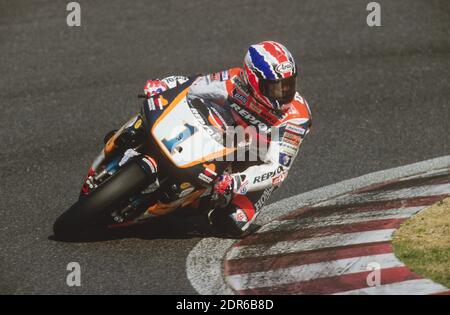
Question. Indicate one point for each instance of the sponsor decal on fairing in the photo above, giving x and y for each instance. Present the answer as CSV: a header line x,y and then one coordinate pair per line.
x,y
205,178
211,131
151,104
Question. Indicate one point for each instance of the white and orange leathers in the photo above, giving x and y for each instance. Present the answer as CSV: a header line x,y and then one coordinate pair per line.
x,y
283,131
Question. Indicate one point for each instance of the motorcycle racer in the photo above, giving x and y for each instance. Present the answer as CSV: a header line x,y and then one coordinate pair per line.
x,y
261,94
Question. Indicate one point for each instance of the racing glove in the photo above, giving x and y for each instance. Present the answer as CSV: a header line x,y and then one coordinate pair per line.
x,y
154,87
223,189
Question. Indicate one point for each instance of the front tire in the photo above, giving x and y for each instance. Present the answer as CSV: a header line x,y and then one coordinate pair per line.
x,y
83,216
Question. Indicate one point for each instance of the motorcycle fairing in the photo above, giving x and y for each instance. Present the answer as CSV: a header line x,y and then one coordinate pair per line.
x,y
182,138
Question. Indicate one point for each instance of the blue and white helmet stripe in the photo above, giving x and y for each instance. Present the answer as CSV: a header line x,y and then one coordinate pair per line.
x,y
262,65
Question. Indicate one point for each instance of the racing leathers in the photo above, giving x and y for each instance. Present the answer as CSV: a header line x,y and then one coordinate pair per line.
x,y
280,132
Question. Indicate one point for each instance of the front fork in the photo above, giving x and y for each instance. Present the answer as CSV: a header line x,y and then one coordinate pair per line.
x,y
121,147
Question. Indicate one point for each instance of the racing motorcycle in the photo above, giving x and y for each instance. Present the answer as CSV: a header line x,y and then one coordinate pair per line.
x,y
165,158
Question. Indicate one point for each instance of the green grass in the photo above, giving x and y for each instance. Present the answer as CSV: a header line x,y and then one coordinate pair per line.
x,y
423,243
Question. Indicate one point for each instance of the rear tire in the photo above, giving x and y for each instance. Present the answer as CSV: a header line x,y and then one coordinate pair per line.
x,y
83,216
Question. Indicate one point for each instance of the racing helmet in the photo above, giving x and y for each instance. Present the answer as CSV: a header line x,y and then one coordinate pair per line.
x,y
270,72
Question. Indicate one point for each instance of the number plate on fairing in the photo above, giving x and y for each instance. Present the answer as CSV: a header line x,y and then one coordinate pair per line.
x,y
182,138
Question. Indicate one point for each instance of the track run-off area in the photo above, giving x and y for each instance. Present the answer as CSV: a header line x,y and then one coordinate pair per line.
x,y
328,241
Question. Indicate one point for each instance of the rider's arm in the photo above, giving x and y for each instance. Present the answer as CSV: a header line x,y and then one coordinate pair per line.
x,y
278,160
209,87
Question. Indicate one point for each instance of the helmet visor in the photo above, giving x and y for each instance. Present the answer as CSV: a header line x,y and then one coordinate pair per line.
x,y
282,90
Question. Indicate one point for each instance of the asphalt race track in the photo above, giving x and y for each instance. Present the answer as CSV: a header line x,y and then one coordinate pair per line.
x,y
379,96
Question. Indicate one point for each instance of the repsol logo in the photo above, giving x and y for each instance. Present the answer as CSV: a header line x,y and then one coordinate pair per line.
x,y
247,116
198,116
269,175
209,130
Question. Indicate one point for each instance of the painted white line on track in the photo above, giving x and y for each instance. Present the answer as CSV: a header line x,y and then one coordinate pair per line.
x,y
410,287
329,241
347,218
204,264
310,271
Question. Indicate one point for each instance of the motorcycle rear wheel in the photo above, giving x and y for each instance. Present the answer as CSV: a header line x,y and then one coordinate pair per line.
x,y
82,218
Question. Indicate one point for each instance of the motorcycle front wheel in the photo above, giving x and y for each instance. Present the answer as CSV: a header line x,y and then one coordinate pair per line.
x,y
84,216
